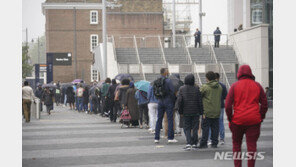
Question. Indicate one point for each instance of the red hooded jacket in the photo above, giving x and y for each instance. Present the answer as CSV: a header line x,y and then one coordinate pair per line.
x,y
244,99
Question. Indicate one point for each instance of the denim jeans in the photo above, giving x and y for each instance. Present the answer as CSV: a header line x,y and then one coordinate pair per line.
x,y
221,126
143,113
65,100
191,123
165,105
206,124
80,103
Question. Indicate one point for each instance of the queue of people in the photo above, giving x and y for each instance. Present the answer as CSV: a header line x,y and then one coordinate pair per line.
x,y
190,107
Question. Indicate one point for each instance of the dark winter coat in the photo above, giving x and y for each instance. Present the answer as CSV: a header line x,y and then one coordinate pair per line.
x,y
85,96
70,95
197,35
39,93
189,100
48,98
122,94
224,94
217,34
132,103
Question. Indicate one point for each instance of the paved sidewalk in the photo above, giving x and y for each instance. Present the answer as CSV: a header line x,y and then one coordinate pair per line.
x,y
69,138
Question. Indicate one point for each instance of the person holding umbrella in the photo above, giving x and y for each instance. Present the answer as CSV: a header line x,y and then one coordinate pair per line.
x,y
48,99
141,96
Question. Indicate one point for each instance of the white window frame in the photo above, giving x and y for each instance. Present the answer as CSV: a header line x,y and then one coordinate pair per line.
x,y
90,17
253,14
91,42
92,75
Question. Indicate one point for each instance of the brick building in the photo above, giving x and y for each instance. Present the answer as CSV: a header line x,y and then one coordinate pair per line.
x,y
77,24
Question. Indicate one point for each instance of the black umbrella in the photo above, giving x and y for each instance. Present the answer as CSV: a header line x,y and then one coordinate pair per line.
x,y
49,86
120,77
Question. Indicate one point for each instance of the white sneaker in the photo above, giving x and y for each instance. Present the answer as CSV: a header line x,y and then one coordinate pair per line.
x,y
209,143
156,141
173,141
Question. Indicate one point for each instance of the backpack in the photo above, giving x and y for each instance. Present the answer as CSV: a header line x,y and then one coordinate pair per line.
x,y
80,92
159,89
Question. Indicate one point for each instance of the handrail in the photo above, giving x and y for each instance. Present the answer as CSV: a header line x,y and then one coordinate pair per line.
x,y
137,51
114,50
224,73
197,74
142,70
213,52
162,51
187,50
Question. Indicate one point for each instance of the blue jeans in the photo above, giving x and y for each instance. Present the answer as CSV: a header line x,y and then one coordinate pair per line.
x,y
206,124
165,105
65,100
76,102
221,125
80,103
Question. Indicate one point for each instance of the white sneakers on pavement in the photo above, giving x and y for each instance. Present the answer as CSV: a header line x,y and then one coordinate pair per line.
x,y
173,141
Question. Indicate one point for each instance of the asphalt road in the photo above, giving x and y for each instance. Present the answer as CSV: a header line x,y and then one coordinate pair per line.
x,y
69,138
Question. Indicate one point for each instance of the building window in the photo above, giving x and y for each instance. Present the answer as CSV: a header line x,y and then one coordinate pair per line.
x,y
94,75
257,16
94,41
93,17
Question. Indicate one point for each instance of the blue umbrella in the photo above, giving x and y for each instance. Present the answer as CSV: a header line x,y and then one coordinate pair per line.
x,y
142,85
120,77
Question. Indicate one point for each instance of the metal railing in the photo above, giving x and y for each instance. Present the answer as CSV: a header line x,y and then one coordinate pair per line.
x,y
162,51
187,50
225,76
137,51
142,71
199,80
212,52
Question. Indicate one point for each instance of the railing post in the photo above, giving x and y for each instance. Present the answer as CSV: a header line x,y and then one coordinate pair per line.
x,y
136,47
225,76
187,50
199,80
143,72
162,51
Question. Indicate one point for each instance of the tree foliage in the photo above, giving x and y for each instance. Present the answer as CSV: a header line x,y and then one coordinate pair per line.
x,y
26,67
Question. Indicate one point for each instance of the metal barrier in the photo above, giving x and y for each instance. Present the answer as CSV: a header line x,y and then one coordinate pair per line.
x,y
35,109
162,51
137,51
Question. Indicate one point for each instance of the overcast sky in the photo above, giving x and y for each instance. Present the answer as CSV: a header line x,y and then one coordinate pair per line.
x,y
216,15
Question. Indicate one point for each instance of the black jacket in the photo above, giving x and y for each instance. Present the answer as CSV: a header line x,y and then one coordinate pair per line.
x,y
189,100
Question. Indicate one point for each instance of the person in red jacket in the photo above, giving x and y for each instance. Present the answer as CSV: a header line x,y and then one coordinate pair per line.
x,y
246,106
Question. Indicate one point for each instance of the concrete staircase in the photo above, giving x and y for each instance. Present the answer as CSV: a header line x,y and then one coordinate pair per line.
x,y
225,55
126,56
150,55
200,55
175,55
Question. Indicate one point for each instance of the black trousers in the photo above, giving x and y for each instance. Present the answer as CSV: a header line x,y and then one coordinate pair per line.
x,y
197,41
191,123
95,105
114,108
143,111
217,44
212,123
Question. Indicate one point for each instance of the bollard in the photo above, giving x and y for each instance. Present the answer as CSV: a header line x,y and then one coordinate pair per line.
x,y
37,108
